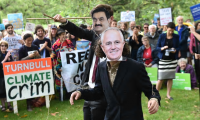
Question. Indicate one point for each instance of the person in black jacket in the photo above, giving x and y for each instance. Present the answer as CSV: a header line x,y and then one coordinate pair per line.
x,y
135,42
5,56
102,16
121,81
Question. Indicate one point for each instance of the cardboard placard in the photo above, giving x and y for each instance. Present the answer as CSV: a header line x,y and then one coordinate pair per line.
x,y
128,16
153,74
195,10
16,19
182,81
165,16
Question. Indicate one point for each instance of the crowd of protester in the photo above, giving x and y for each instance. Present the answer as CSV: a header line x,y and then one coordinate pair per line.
x,y
170,48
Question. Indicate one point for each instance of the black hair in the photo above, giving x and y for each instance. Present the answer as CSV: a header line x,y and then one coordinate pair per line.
x,y
27,35
136,27
8,25
196,25
171,25
146,24
158,19
101,10
83,26
37,28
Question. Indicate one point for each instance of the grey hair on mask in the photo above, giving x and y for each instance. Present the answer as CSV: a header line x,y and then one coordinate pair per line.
x,y
111,28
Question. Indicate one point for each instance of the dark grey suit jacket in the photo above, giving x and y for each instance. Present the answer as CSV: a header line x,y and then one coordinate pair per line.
x,y
124,98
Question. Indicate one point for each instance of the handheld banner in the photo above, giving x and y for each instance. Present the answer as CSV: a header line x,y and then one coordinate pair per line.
x,y
5,21
2,27
153,74
82,45
28,79
195,10
30,27
156,16
16,19
165,16
73,66
182,81
128,16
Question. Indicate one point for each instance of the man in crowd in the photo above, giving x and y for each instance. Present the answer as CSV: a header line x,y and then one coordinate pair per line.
x,y
43,43
52,34
14,41
153,35
114,23
183,37
102,16
121,80
130,30
146,29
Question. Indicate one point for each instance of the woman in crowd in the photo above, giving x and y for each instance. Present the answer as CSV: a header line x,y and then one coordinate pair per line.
x,y
73,40
147,54
5,56
26,52
167,47
135,42
62,44
124,27
183,67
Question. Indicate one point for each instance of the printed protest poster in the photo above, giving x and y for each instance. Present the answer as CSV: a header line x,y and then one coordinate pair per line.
x,y
73,66
5,21
195,10
156,16
28,79
128,16
182,81
13,42
83,45
2,27
16,19
153,74
165,16
30,27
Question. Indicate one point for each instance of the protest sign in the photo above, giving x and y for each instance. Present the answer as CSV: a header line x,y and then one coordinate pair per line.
x,y
16,19
165,16
30,27
153,74
127,16
2,27
83,45
5,21
195,10
156,16
182,81
73,66
13,42
28,79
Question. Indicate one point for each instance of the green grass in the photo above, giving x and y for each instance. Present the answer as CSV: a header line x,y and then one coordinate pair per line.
x,y
185,106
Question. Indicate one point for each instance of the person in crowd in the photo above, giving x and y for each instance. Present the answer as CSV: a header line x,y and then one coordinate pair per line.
x,y
146,29
188,20
52,34
1,35
147,54
5,56
183,67
89,27
192,39
131,25
135,42
61,44
124,30
114,23
13,37
4,32
42,42
73,40
183,37
26,52
131,78
102,15
140,29
153,35
167,47
159,27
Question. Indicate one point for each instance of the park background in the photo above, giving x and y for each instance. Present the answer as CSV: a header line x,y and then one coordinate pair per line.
x,y
185,105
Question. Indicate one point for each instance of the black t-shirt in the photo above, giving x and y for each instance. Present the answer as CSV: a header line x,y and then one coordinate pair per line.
x,y
24,50
37,42
169,43
133,44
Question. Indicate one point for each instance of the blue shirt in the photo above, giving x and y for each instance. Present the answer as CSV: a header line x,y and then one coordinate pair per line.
x,y
179,32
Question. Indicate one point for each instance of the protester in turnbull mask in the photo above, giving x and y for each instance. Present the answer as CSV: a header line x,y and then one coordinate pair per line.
x,y
121,80
102,15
